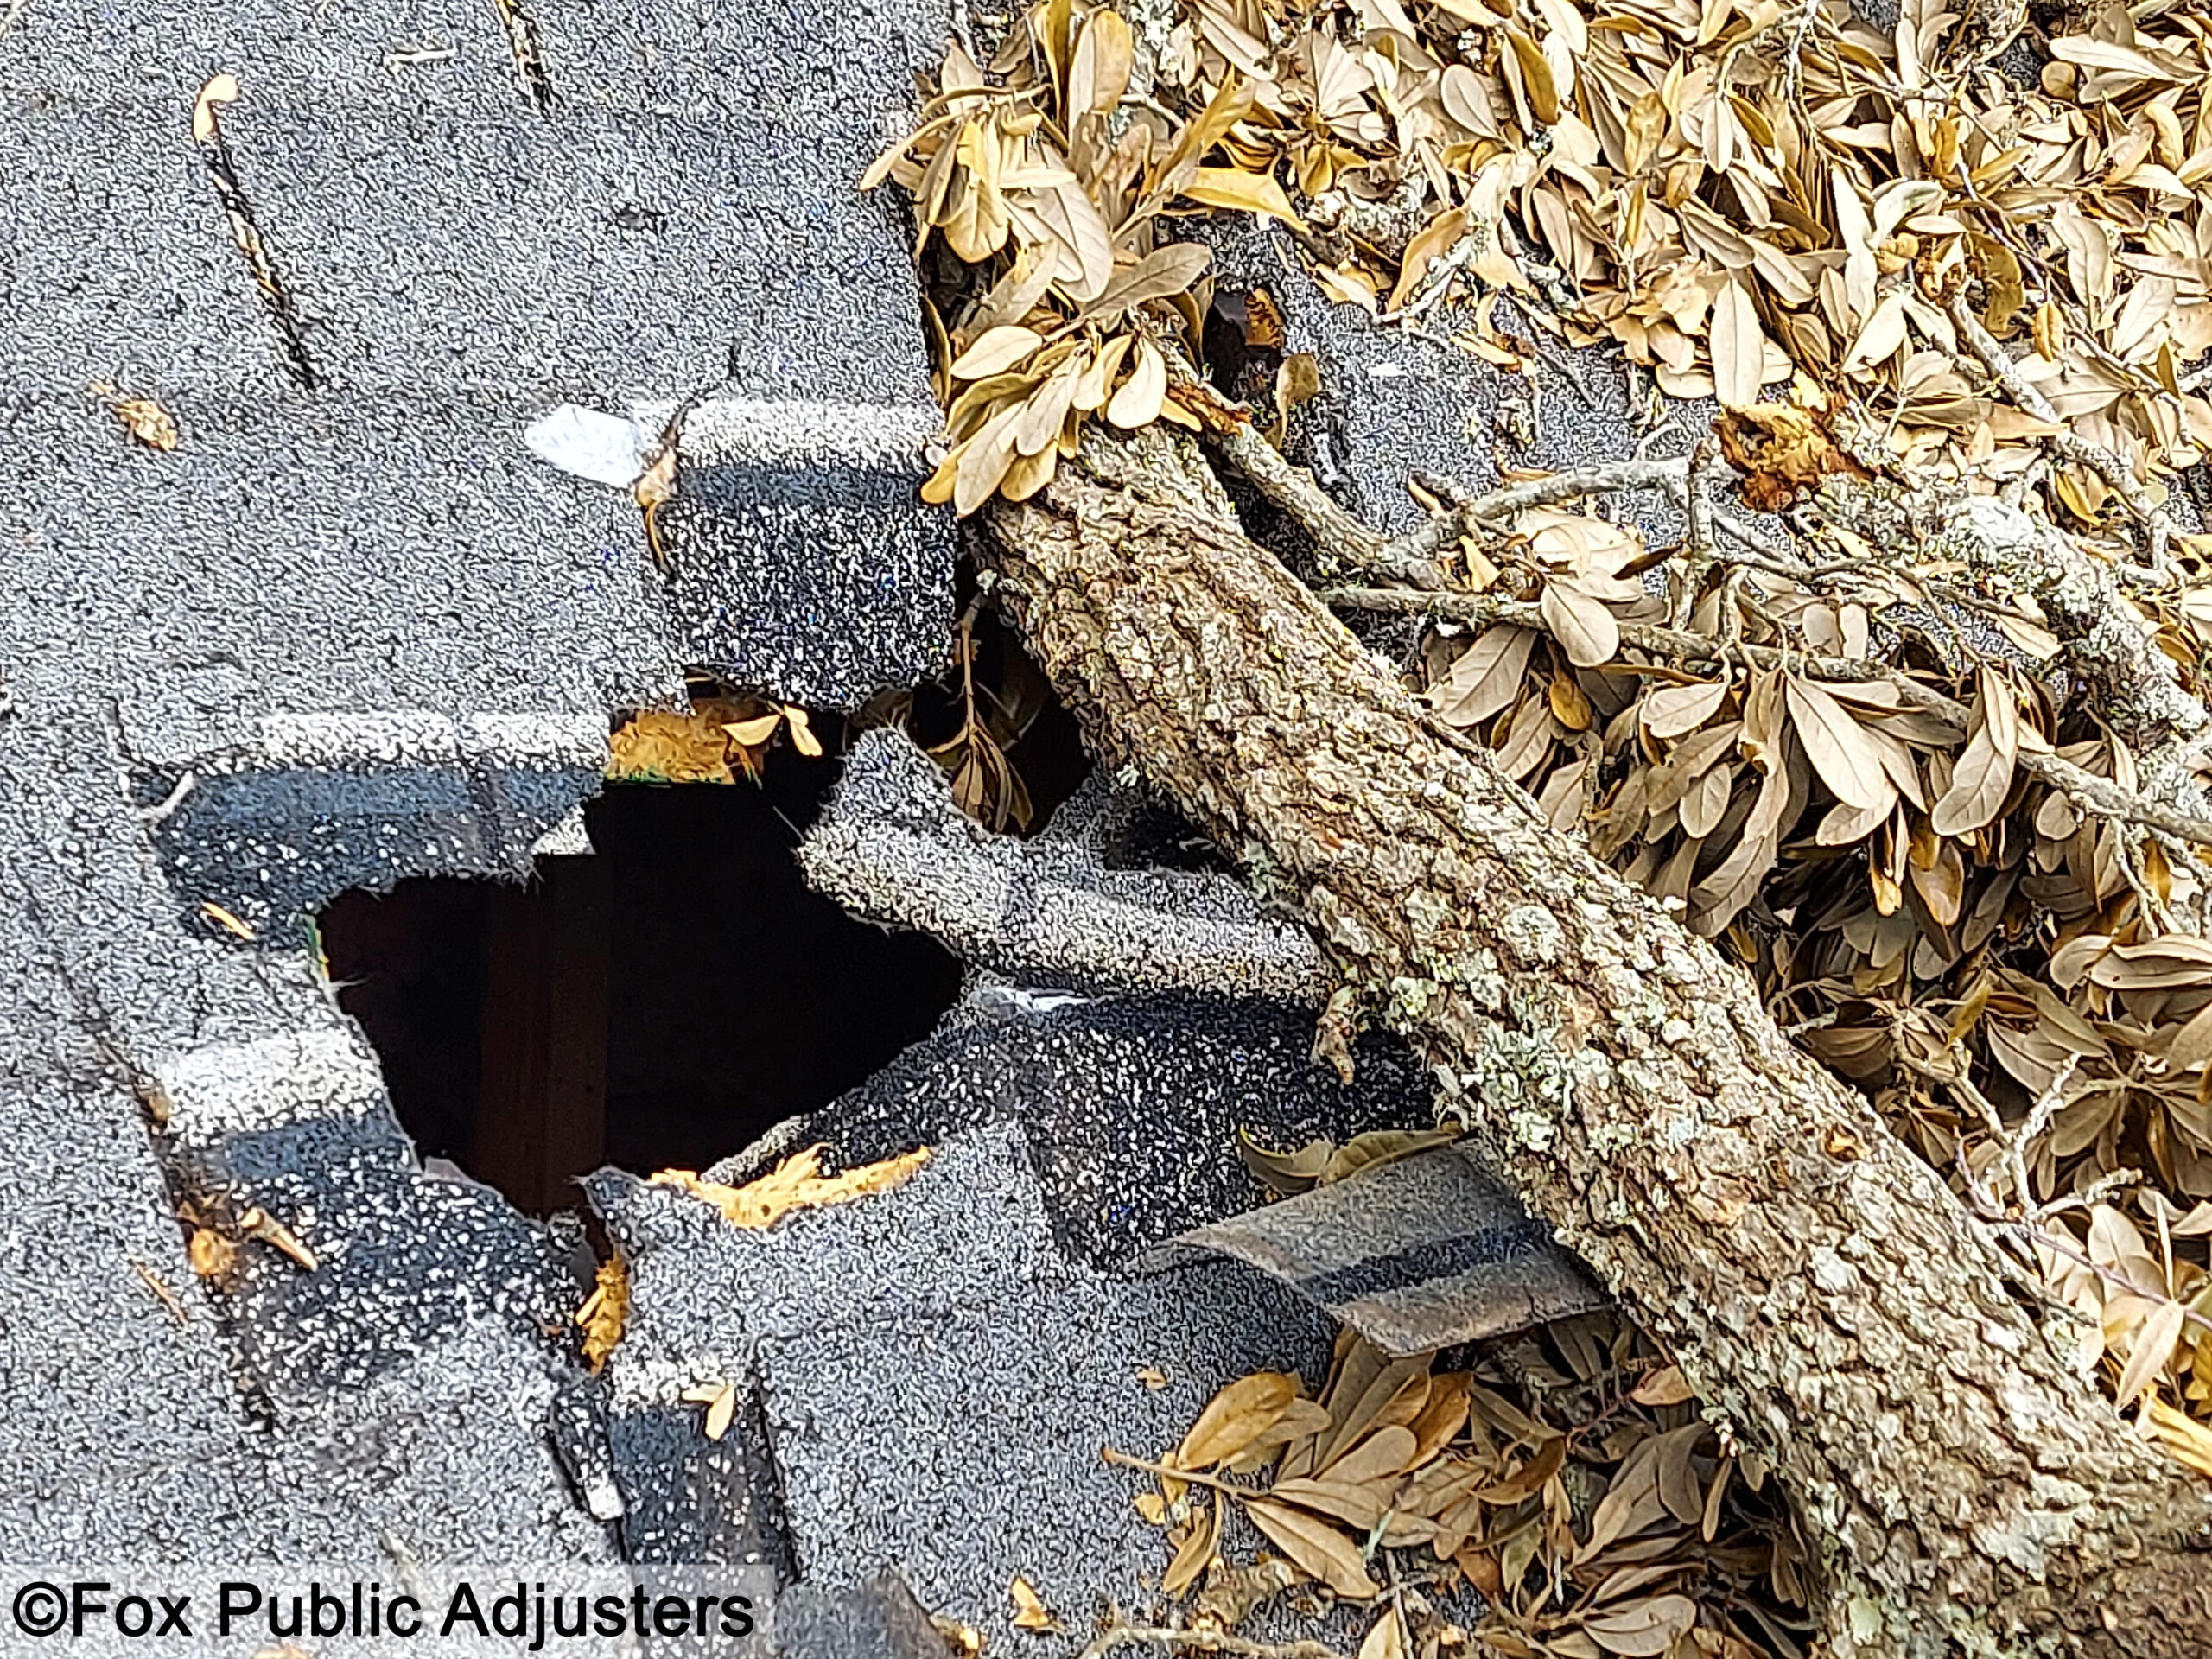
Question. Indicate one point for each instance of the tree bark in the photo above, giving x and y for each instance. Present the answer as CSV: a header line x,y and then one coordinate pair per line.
x,y
1837,1309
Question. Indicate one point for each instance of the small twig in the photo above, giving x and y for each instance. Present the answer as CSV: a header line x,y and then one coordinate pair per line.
x,y
1339,535
2069,443
173,799
401,57
1470,511
1244,1647
167,1297
2098,795
1697,534
1122,1459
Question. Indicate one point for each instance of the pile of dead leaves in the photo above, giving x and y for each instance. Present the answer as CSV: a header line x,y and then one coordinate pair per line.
x,y
1583,1499
1729,190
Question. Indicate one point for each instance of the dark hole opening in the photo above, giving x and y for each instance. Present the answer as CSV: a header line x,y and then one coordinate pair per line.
x,y
660,1003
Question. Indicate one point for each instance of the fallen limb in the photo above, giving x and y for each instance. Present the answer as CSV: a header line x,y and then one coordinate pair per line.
x,y
1838,1310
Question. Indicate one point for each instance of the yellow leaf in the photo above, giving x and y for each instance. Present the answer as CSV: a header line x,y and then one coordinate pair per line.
x,y
803,737
223,918
211,1254
657,483
995,351
2155,1341
753,733
1029,1613
1388,1639
1104,58
798,1183
1138,403
149,423
720,1399
605,1312
656,747
1535,77
1234,188
221,88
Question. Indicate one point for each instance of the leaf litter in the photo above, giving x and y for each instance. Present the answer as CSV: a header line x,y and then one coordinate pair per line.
x,y
1881,776
1566,1478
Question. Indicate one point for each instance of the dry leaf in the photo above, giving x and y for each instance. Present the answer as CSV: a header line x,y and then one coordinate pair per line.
x,y
1236,1417
1197,1551
1983,777
1847,759
1314,1548
213,1255
1029,1613
720,1398
148,422
605,1312
795,1183
1645,1630
219,89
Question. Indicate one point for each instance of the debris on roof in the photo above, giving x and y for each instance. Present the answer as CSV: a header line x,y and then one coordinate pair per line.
x,y
1416,1254
895,847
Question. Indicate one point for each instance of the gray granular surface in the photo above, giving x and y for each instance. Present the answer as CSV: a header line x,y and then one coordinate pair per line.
x,y
938,1378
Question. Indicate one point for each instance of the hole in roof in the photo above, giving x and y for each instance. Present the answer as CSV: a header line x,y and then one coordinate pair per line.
x,y
661,1002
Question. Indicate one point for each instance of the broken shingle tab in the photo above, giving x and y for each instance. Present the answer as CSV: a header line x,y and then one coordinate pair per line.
x,y
1417,1255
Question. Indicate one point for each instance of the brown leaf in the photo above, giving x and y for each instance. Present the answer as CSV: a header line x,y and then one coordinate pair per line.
x,y
1200,1541
1664,1387
1485,678
1645,1630
1677,708
1235,1417
1586,630
1388,1640
1849,762
1164,271
2147,1356
1983,777
211,1254
1314,1548
1286,1173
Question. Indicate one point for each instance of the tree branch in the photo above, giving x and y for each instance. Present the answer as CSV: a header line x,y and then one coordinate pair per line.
x,y
2069,443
